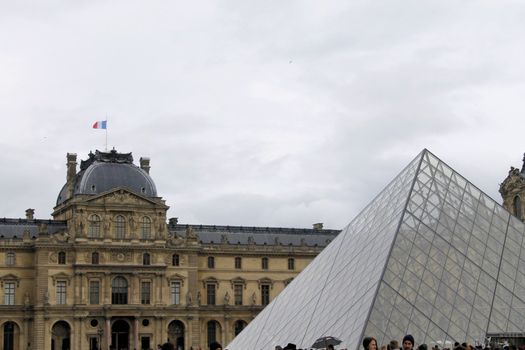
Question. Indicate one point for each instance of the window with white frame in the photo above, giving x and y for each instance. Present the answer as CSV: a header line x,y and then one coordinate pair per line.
x,y
120,227
237,292
94,292
145,292
10,258
146,228
175,292
9,293
94,226
61,292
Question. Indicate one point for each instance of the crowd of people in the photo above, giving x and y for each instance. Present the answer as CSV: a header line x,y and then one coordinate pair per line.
x,y
408,343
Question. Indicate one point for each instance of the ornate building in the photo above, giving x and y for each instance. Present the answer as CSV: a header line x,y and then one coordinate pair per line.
x,y
109,271
513,191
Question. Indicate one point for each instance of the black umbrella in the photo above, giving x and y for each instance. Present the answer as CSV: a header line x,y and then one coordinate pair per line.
x,y
323,342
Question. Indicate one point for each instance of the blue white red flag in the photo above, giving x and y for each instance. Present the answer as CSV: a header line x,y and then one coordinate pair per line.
x,y
103,124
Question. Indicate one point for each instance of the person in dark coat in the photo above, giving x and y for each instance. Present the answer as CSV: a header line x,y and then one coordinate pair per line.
x,y
168,346
215,346
290,346
408,342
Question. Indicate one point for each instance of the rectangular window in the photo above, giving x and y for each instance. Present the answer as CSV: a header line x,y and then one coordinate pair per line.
x,y
238,294
265,294
94,292
175,293
93,343
291,264
211,262
10,258
61,292
145,293
210,293
9,293
238,263
264,263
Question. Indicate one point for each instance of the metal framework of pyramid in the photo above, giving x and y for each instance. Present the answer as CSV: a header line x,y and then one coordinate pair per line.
x,y
431,256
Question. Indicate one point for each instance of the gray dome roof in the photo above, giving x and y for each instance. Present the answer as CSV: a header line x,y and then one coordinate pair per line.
x,y
104,171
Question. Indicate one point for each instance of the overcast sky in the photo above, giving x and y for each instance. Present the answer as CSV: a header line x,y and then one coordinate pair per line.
x,y
260,113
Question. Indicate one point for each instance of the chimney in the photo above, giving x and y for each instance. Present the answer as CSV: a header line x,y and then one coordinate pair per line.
x,y
71,172
30,213
144,164
318,226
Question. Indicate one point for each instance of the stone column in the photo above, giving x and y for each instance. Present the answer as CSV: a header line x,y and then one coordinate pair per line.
x,y
107,331
195,333
76,281
224,330
76,333
26,339
107,289
158,282
136,332
83,283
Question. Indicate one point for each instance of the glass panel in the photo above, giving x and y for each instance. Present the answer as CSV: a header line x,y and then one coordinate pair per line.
x,y
437,244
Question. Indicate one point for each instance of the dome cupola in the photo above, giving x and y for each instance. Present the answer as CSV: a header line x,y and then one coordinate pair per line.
x,y
104,171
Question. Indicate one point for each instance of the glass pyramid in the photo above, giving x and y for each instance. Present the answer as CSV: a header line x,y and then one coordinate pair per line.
x,y
431,256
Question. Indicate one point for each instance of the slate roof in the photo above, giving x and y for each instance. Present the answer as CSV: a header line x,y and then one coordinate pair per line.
x,y
14,228
210,234
104,171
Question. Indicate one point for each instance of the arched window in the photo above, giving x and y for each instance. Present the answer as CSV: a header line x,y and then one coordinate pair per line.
x,y
146,228
95,258
62,258
9,336
120,227
119,291
239,326
146,259
175,260
213,327
94,226
517,207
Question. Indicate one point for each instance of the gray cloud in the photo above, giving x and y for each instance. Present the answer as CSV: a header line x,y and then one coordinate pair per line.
x,y
259,113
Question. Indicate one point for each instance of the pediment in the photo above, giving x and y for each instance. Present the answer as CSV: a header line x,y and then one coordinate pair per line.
x,y
176,277
61,276
122,196
10,277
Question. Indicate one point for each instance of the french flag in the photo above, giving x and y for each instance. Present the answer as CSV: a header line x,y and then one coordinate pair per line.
x,y
100,124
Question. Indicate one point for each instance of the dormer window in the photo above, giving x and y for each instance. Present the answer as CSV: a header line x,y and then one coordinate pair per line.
x,y
93,188
143,190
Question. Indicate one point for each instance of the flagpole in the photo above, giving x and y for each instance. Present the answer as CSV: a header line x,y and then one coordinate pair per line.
x,y
106,132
